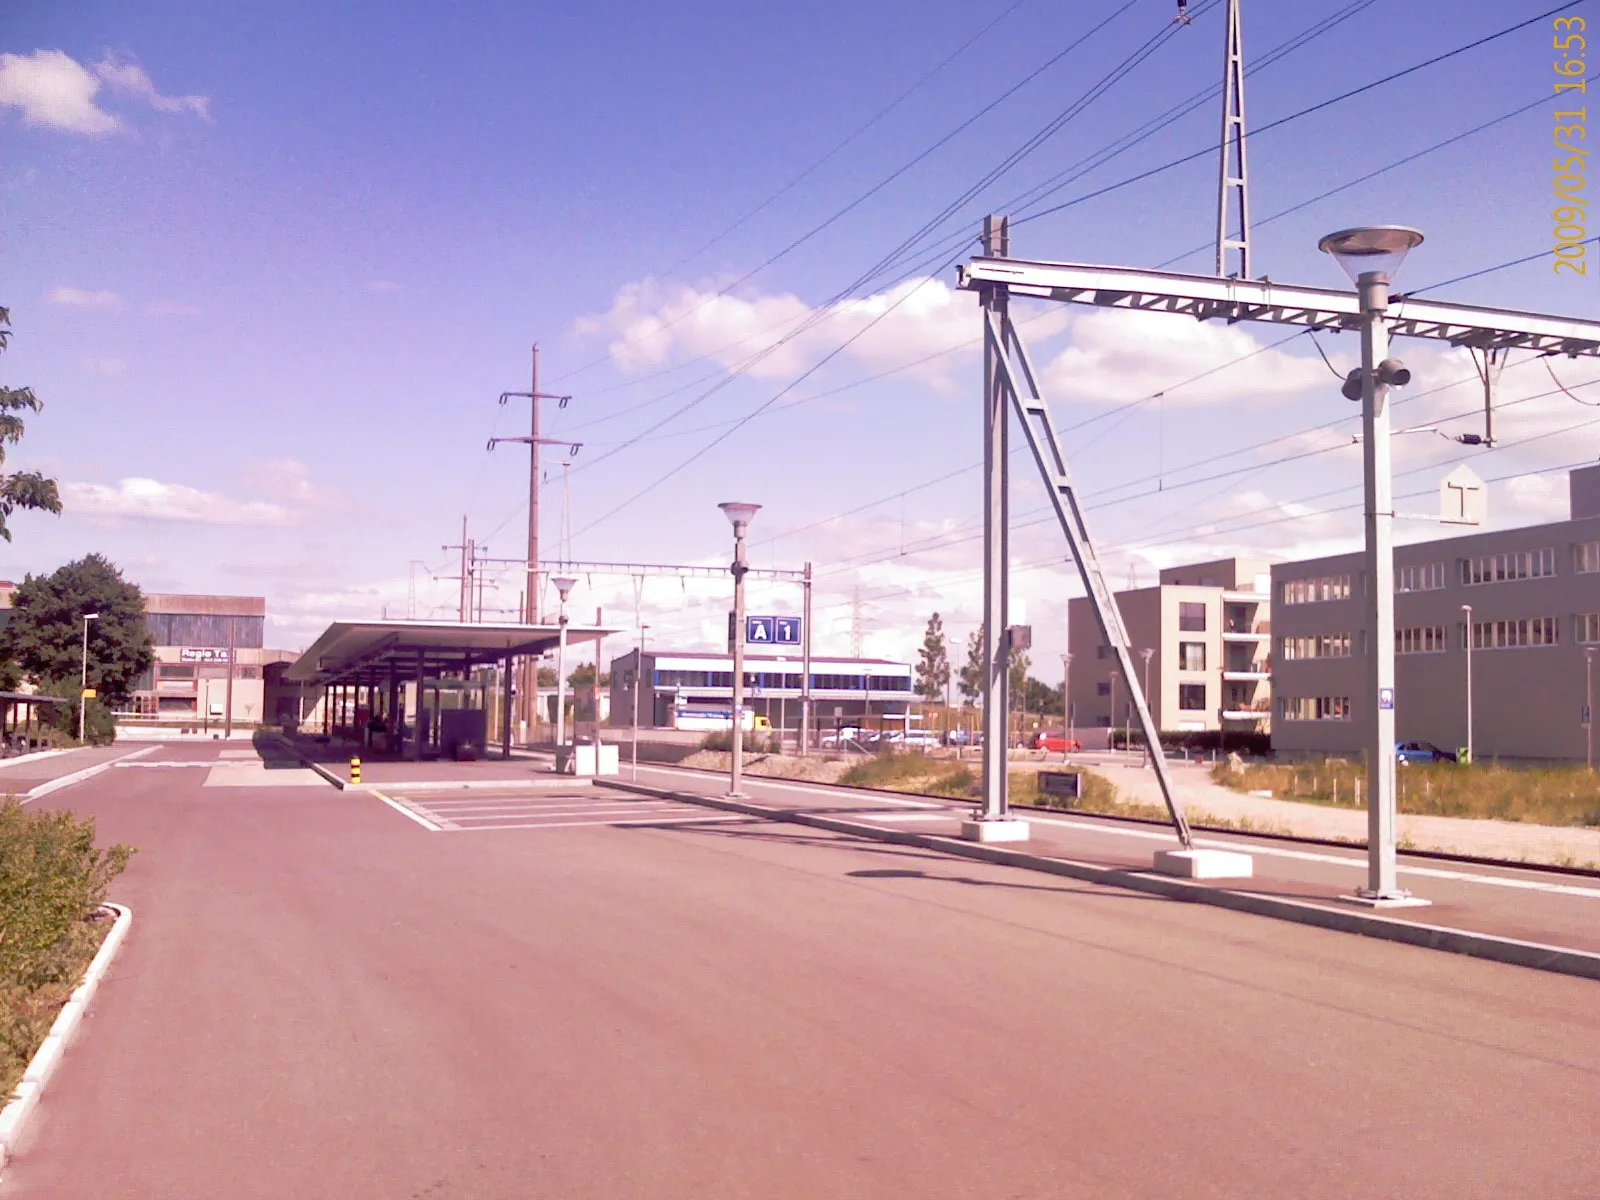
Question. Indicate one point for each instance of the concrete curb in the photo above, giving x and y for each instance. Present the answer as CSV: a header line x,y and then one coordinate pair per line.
x,y
55,785
44,1062
1560,959
31,757
336,780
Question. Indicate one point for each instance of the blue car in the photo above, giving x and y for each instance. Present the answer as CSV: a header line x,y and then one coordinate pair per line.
x,y
1421,752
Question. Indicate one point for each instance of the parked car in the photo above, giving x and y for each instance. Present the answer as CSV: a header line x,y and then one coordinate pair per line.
x,y
1055,740
963,737
841,737
1415,752
918,739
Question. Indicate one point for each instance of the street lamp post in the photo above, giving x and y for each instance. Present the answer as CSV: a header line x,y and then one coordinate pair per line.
x,y
638,686
83,683
1147,654
740,515
564,587
1588,707
1066,702
1466,613
1370,256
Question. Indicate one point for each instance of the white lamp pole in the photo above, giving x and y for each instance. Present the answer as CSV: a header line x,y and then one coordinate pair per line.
x,y
1066,703
1370,256
564,587
1147,654
1466,612
740,515
638,686
83,682
1588,707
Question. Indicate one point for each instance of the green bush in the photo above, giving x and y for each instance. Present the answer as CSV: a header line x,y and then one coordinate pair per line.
x,y
52,878
1234,741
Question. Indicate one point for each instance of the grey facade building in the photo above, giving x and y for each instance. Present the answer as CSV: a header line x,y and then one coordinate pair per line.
x,y
1534,595
1208,626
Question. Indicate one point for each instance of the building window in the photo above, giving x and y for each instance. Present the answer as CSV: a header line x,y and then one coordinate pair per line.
x,y
1586,558
1315,708
1322,645
1192,697
1586,629
1427,577
173,671
204,629
1192,616
1102,651
1102,689
1506,635
1515,564
1191,656
1425,639
1313,591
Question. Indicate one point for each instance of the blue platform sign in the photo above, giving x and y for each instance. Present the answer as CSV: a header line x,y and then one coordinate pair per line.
x,y
786,630
758,631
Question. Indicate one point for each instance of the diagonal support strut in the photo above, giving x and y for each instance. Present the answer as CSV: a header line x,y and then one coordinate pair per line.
x,y
1002,341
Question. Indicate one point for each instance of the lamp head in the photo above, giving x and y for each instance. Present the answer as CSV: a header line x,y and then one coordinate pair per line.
x,y
91,616
739,513
1380,248
564,587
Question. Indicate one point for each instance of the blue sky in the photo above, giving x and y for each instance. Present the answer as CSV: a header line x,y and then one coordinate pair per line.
x,y
270,267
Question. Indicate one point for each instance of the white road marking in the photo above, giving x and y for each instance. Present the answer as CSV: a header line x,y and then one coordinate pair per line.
x,y
790,786
517,813
612,824
1357,863
909,816
406,810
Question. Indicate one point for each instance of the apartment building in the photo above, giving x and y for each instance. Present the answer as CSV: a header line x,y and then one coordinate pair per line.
x,y
1202,638
1534,621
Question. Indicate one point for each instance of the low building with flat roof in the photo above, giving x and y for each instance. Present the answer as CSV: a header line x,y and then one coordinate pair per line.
x,y
844,691
1534,624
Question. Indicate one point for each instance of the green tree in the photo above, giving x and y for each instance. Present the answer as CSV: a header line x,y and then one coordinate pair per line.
x,y
1042,698
45,634
1017,678
933,662
20,489
970,679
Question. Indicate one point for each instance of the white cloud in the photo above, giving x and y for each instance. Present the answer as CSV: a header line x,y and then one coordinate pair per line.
x,y
653,322
71,297
54,91
130,80
153,500
288,481
383,286
1118,355
109,367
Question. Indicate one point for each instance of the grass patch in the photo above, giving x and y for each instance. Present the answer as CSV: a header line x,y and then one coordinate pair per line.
x,y
52,878
914,772
1544,796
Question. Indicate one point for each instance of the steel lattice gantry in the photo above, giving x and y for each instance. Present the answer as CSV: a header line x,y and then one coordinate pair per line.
x,y
1011,383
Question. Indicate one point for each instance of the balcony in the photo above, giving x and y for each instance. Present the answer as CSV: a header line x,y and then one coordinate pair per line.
x,y
1245,597
1254,674
1261,632
1246,714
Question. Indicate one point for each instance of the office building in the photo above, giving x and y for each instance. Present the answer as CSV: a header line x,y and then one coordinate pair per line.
x,y
1534,595
678,683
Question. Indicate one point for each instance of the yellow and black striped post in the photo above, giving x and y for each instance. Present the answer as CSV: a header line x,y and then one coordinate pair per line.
x,y
355,770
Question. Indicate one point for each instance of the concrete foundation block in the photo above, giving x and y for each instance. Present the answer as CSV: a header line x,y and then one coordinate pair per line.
x,y
1000,830
1205,864
1399,900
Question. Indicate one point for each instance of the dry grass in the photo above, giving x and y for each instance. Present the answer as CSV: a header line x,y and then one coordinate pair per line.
x,y
1547,796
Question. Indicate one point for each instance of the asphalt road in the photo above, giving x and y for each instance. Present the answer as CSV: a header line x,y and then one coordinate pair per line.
x,y
321,997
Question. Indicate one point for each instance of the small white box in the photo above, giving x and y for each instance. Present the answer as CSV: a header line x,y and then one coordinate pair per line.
x,y
1205,864
995,830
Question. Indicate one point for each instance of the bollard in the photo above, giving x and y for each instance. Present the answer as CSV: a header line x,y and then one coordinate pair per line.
x,y
355,770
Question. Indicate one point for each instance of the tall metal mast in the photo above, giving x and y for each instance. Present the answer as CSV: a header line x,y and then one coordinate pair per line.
x,y
1233,176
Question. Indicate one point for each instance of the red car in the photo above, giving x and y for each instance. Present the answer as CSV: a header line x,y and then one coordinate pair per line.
x,y
1057,741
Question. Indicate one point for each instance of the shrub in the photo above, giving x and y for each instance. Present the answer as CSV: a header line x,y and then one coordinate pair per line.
x,y
1237,741
51,879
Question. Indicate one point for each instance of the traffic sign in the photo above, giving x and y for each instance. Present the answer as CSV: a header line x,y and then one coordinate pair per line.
x,y
758,631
